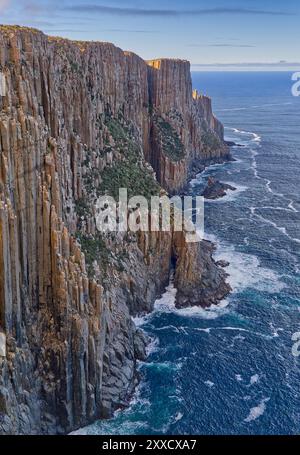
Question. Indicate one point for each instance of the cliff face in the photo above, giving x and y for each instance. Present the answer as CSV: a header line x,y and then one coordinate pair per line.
x,y
185,120
78,119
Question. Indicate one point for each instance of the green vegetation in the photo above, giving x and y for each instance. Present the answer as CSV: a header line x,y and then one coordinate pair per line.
x,y
15,28
118,132
175,115
94,249
210,140
171,142
74,67
127,171
128,174
81,207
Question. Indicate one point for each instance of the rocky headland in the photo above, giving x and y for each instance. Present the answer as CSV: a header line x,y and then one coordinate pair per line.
x,y
79,119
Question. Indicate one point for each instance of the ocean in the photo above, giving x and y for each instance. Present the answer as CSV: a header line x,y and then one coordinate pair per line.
x,y
230,369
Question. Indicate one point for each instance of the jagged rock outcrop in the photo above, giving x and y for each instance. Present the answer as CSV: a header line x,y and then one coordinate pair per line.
x,y
216,189
198,279
78,119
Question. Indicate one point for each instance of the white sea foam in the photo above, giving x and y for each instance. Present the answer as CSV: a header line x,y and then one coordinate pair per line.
x,y
257,411
80,432
198,329
199,177
140,320
209,383
239,337
166,304
211,238
253,136
269,207
272,223
291,206
164,365
281,229
171,328
255,139
212,312
241,329
254,379
153,346
110,427
275,330
238,377
245,271
178,416
231,195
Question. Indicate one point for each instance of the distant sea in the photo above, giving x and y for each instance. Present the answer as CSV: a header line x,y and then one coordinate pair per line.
x,y
230,369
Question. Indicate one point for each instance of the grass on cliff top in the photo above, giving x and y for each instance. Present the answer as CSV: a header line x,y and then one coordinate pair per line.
x,y
15,28
170,140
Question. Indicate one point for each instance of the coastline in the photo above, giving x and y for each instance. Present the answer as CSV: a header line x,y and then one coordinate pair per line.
x,y
243,273
82,287
166,302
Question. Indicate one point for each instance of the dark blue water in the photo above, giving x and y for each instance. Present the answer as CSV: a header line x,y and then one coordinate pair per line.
x,y
230,370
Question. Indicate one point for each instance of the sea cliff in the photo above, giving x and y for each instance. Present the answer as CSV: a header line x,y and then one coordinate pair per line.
x,y
79,119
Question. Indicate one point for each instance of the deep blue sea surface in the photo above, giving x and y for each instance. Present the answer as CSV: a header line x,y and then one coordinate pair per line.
x,y
230,369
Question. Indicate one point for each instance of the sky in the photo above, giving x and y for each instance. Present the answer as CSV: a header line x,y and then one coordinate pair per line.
x,y
211,34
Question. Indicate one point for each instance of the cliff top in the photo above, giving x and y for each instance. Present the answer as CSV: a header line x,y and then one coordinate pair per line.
x,y
14,28
165,59
8,29
83,44
159,62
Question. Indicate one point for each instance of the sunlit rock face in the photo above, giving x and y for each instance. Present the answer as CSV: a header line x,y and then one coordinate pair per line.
x,y
78,119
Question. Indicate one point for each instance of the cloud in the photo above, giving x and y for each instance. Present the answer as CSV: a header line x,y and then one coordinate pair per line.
x,y
110,30
119,30
36,23
281,63
65,30
222,45
4,4
122,11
